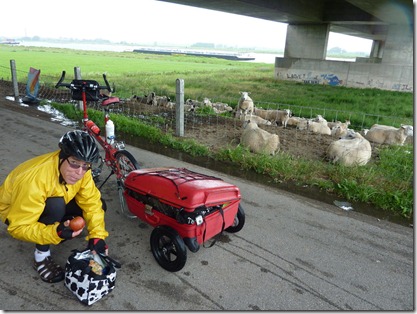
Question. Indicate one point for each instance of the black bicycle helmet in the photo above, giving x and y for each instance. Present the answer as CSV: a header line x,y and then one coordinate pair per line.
x,y
80,145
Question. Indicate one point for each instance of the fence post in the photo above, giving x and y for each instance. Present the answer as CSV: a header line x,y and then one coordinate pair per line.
x,y
14,80
77,76
179,108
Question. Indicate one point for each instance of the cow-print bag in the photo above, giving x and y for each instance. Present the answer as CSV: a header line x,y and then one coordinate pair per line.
x,y
90,277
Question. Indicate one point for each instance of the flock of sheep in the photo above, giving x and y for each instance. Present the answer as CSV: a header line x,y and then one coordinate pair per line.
x,y
349,147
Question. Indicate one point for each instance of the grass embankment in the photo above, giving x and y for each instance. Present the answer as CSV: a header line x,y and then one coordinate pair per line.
x,y
386,183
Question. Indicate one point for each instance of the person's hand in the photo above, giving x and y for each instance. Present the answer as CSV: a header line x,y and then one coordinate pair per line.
x,y
98,246
65,232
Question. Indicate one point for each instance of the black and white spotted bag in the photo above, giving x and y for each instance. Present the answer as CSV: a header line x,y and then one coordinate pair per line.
x,y
88,281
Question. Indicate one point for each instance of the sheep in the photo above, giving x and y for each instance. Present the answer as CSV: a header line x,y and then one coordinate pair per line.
x,y
277,116
303,124
364,132
191,105
318,127
139,99
244,105
339,130
207,102
336,123
259,140
170,105
220,107
351,150
254,118
319,118
162,101
383,134
151,99
293,121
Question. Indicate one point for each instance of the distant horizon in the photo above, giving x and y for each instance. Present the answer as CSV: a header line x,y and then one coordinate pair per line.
x,y
196,45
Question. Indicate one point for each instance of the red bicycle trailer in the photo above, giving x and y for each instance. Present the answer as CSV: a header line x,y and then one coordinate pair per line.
x,y
185,207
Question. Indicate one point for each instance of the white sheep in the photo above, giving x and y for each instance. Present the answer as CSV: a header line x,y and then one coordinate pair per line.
x,y
319,118
293,121
220,107
303,124
336,123
191,104
245,104
259,140
318,127
162,101
351,150
274,115
383,134
207,102
254,118
339,130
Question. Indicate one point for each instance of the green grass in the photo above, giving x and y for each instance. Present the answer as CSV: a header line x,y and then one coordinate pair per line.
x,y
217,79
386,183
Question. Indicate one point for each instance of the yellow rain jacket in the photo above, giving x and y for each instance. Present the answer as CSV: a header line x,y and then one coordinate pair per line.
x,y
25,190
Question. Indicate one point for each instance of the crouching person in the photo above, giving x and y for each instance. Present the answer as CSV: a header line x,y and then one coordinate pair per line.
x,y
40,196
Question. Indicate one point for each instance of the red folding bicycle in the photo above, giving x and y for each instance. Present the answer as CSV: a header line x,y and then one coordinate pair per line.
x,y
118,160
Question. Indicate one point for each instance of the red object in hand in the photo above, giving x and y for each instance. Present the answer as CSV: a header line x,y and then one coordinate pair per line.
x,y
77,223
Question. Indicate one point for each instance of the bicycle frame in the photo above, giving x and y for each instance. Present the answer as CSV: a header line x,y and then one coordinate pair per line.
x,y
115,155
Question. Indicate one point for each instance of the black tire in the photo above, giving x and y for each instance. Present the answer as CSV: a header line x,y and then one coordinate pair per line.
x,y
127,163
168,248
238,222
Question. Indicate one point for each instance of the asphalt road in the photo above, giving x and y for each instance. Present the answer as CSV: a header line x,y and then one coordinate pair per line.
x,y
292,254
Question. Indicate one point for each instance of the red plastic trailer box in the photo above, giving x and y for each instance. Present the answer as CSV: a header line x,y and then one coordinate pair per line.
x,y
197,206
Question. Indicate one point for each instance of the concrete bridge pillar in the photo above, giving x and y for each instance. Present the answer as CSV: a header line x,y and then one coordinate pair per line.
x,y
307,41
398,48
377,49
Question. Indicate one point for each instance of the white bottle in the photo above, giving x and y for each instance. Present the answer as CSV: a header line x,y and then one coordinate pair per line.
x,y
110,131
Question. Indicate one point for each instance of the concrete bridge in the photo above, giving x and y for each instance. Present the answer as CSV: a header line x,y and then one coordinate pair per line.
x,y
390,24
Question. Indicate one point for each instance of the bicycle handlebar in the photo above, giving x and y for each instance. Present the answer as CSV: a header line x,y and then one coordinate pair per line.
x,y
60,81
80,84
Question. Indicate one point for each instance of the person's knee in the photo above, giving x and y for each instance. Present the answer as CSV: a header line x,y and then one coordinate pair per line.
x,y
54,210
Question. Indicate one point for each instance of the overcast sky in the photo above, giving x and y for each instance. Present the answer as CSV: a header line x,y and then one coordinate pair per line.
x,y
147,21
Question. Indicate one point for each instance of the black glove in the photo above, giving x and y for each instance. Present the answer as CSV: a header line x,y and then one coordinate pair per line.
x,y
97,245
64,232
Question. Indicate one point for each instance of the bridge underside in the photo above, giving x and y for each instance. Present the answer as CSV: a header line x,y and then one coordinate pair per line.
x,y
390,24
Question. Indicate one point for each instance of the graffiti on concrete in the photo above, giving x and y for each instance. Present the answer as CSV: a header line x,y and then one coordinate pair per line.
x,y
309,78
331,79
344,77
311,81
402,87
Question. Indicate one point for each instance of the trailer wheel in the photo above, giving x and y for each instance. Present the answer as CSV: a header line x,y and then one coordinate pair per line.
x,y
168,248
238,222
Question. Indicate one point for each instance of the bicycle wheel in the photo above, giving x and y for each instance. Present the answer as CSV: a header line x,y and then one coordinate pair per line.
x,y
125,163
168,248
